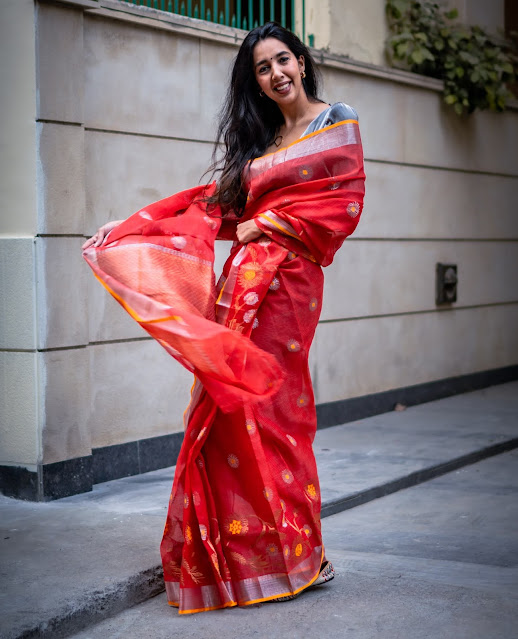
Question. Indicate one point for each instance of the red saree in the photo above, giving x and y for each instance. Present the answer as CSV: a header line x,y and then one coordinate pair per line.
x,y
244,517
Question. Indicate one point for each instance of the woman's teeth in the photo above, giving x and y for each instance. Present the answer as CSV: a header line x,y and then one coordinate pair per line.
x,y
283,88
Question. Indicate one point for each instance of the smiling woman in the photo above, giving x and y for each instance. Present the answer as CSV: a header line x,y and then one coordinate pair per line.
x,y
280,77
243,524
257,119
279,68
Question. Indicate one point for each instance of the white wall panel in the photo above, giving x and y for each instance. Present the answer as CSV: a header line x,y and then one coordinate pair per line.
x,y
18,109
415,202
137,390
17,296
126,172
19,432
60,69
376,277
61,178
359,357
143,80
63,377
402,123
61,293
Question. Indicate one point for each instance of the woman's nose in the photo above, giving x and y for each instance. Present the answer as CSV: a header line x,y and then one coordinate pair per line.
x,y
276,71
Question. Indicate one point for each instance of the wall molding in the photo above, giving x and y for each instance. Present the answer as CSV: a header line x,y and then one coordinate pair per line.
x,y
348,410
193,27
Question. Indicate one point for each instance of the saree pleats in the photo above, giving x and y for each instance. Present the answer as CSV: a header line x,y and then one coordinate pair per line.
x,y
244,521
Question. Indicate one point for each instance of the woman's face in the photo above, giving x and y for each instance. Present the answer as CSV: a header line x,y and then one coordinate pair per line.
x,y
277,72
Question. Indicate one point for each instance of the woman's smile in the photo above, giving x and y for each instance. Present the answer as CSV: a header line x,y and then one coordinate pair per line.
x,y
278,71
283,88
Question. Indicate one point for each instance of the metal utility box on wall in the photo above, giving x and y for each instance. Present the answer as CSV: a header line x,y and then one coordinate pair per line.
x,y
445,283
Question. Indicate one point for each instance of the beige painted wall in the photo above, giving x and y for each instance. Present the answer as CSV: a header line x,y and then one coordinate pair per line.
x,y
488,14
18,108
20,440
355,29
125,116
359,29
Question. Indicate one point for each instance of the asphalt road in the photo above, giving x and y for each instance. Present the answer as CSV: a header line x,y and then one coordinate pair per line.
x,y
436,561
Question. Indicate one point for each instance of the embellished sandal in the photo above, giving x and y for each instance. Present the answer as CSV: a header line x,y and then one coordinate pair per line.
x,y
327,572
287,598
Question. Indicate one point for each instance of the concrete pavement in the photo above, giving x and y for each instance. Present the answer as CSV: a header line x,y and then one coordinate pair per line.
x,y
435,561
69,564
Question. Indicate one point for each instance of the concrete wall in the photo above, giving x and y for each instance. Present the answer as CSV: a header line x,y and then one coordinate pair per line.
x,y
359,29
356,29
488,14
19,434
124,115
439,189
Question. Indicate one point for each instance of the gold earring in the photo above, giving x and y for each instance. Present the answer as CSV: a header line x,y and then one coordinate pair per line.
x,y
303,74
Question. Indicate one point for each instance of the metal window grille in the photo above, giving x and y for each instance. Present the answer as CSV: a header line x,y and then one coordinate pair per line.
x,y
243,14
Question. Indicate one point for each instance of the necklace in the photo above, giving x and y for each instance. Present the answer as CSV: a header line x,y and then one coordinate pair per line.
x,y
278,140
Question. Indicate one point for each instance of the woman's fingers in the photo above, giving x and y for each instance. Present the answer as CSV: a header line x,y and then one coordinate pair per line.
x,y
98,238
89,242
248,231
95,240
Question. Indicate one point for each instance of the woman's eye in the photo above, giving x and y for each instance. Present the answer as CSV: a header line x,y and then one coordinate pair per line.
x,y
284,59
263,69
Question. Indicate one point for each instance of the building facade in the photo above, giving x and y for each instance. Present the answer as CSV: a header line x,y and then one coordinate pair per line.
x,y
108,106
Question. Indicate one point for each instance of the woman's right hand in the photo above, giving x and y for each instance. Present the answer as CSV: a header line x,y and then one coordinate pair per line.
x,y
98,238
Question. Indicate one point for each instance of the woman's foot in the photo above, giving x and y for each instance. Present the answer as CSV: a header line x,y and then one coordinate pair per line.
x,y
327,572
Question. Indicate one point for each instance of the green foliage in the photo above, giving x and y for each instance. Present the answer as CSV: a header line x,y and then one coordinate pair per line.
x,y
476,68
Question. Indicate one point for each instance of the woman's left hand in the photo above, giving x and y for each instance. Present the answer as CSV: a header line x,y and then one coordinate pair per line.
x,y
248,231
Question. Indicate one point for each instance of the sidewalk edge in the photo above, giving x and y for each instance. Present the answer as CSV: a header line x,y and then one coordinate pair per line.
x,y
417,477
98,605
146,584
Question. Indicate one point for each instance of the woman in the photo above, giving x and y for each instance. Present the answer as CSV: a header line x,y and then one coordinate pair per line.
x,y
244,518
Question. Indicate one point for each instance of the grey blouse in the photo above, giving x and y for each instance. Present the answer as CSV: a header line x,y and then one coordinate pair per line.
x,y
335,113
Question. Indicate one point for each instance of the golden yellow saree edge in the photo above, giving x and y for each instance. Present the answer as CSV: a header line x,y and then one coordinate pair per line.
x,y
309,135
231,604
282,229
133,313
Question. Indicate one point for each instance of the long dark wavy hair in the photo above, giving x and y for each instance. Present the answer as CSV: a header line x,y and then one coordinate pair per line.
x,y
248,122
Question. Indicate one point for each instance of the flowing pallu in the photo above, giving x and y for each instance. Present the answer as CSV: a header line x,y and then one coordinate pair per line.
x,y
243,524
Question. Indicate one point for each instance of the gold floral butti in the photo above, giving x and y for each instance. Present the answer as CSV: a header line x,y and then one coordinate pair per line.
x,y
250,275
311,490
238,526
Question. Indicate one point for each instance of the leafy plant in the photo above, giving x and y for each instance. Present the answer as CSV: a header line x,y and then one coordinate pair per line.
x,y
476,68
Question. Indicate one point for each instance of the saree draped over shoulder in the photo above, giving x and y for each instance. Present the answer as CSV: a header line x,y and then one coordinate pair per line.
x,y
243,524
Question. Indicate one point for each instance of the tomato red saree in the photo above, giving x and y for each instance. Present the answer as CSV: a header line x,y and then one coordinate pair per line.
x,y
243,524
